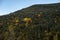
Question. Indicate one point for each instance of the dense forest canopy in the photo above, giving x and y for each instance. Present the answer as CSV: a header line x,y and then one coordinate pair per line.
x,y
37,22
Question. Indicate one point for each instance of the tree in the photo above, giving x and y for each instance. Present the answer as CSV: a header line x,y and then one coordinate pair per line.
x,y
27,20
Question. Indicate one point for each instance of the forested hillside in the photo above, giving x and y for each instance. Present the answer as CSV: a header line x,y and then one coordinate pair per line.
x,y
37,22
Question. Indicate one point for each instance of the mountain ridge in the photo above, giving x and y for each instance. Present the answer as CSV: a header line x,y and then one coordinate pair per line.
x,y
52,4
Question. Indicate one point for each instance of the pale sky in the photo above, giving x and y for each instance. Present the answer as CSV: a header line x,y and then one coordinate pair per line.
x,y
8,6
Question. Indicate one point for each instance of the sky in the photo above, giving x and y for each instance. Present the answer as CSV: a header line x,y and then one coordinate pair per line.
x,y
8,6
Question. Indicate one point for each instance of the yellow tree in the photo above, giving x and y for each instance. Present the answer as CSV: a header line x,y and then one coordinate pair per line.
x,y
11,30
16,21
56,36
46,35
27,20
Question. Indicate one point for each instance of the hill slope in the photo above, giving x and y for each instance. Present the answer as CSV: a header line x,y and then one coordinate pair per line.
x,y
37,22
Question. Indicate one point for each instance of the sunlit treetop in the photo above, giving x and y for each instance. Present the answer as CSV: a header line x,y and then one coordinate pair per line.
x,y
17,20
27,19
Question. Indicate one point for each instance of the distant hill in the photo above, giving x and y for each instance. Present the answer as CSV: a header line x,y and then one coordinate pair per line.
x,y
37,22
